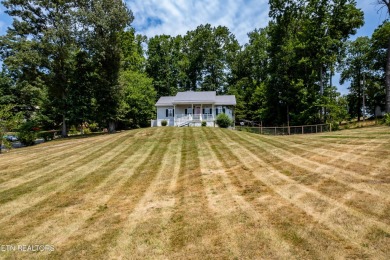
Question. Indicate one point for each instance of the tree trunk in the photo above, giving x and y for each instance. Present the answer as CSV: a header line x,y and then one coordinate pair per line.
x,y
322,94
111,127
63,132
387,79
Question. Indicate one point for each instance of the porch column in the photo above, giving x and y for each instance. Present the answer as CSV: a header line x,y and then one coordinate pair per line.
x,y
201,111
212,111
174,115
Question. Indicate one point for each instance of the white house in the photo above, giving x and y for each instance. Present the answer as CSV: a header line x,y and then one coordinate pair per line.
x,y
192,108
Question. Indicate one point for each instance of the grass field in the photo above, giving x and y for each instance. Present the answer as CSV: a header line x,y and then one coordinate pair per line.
x,y
200,193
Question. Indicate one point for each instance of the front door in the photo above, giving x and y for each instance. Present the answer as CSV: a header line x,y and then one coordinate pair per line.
x,y
197,110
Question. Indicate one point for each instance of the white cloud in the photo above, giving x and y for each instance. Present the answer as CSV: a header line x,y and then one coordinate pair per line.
x,y
179,16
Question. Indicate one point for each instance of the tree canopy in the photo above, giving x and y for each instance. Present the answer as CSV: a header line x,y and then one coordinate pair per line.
x,y
75,62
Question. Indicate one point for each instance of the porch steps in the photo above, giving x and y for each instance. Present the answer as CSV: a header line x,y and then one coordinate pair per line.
x,y
185,123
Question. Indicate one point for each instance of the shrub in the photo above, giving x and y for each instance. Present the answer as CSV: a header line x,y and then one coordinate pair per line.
x,y
164,123
336,126
94,127
87,131
223,121
386,119
28,133
47,135
73,130
204,123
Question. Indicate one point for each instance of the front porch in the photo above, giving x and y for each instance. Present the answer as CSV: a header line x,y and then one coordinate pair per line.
x,y
194,120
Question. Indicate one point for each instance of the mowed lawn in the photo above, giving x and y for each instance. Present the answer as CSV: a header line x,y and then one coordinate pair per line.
x,y
200,193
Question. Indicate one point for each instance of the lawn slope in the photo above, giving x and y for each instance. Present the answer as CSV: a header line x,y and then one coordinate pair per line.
x,y
199,193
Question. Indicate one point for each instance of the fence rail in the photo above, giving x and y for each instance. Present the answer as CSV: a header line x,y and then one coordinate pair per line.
x,y
287,130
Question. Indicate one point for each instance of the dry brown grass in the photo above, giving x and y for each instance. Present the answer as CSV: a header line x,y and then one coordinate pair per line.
x,y
190,193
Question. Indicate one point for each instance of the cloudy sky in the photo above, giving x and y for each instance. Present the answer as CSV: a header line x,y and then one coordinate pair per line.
x,y
173,17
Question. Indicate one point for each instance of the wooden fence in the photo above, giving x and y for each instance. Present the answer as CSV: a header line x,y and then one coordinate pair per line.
x,y
287,130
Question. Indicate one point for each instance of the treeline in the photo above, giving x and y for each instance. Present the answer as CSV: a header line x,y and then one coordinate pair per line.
x,y
75,62
284,73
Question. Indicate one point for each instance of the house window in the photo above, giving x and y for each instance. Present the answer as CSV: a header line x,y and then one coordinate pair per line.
x,y
169,112
207,111
219,110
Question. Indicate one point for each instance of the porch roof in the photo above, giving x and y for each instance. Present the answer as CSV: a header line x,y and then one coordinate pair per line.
x,y
201,97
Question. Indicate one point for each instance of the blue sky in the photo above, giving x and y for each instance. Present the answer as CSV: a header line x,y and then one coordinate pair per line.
x,y
173,17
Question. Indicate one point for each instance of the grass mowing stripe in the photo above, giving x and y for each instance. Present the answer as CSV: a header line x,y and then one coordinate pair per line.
x,y
63,227
310,167
192,222
251,188
349,223
327,160
15,192
50,156
74,194
307,174
121,203
292,219
244,228
38,168
59,184
143,234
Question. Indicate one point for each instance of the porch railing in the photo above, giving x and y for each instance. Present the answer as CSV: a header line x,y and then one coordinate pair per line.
x,y
193,117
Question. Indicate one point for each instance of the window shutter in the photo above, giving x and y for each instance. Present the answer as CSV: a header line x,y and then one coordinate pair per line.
x,y
173,112
166,112
211,111
203,111
185,111
223,110
216,111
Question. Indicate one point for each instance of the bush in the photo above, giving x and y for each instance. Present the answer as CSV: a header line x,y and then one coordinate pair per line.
x,y
336,126
164,123
28,133
87,131
386,119
47,135
94,127
204,123
73,130
223,121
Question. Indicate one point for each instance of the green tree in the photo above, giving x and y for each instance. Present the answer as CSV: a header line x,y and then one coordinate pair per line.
x,y
8,121
306,40
248,76
378,57
104,21
386,4
163,64
39,47
139,98
355,69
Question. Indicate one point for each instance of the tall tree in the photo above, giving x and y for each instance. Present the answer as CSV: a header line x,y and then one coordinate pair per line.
x,y
139,98
164,55
356,69
378,56
386,4
103,22
39,45
306,38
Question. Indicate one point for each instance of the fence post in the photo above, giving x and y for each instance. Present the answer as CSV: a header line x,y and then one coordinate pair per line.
x,y
275,130
330,127
302,130
316,128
